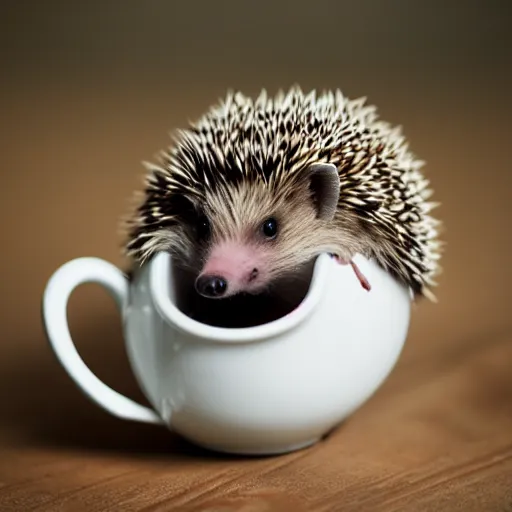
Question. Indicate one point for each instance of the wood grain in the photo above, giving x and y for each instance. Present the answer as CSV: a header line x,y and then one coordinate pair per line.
x,y
90,90
437,436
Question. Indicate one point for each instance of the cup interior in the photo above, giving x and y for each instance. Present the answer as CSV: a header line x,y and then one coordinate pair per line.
x,y
169,289
242,310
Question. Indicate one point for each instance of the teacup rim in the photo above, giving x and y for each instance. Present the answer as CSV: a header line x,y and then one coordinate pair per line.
x,y
159,269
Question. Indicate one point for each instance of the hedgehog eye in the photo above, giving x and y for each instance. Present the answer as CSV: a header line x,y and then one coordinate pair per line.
x,y
269,228
203,227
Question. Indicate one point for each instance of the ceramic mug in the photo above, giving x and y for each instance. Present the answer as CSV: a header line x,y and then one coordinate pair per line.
x,y
268,389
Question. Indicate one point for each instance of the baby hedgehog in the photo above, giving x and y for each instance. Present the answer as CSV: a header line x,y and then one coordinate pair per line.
x,y
256,189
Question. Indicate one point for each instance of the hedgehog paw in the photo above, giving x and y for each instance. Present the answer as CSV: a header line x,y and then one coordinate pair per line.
x,y
360,276
362,279
340,260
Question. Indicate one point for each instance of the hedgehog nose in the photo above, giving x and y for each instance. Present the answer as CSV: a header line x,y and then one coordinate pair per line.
x,y
211,286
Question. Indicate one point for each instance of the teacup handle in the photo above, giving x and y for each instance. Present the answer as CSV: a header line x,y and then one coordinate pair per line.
x,y
54,311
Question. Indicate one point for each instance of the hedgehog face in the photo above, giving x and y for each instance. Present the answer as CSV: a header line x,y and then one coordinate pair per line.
x,y
253,235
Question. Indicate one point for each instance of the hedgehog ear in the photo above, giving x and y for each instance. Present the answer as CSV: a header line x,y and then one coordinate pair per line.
x,y
324,182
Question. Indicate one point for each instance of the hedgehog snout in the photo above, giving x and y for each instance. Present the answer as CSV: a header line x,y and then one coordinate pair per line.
x,y
215,285
232,267
211,286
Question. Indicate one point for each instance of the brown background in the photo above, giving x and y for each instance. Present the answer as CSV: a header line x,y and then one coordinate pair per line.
x,y
90,89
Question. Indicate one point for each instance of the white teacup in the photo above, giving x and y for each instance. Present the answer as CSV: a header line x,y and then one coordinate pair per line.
x,y
268,389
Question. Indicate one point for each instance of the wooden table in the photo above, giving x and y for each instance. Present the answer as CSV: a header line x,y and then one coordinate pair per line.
x,y
91,92
437,436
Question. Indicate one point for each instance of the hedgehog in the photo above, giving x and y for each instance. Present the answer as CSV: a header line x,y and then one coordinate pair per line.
x,y
256,189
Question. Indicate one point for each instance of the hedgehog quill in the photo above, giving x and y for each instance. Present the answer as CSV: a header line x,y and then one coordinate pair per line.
x,y
257,189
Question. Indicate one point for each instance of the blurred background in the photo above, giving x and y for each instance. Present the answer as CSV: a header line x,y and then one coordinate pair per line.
x,y
90,89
